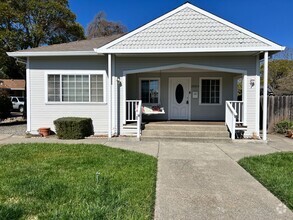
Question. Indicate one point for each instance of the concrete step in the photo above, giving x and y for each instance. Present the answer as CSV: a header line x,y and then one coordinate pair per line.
x,y
179,134
187,127
187,139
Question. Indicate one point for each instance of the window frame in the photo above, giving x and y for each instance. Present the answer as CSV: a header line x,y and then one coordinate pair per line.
x,y
159,96
75,72
200,90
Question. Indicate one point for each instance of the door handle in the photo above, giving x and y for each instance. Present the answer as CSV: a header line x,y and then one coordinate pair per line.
x,y
187,102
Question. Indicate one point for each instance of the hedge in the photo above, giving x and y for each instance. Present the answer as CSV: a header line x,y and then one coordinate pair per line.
x,y
73,127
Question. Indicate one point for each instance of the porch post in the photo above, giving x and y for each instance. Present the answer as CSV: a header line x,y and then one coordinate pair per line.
x,y
28,96
265,96
109,96
114,98
244,98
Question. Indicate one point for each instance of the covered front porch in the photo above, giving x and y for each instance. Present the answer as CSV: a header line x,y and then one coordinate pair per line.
x,y
181,93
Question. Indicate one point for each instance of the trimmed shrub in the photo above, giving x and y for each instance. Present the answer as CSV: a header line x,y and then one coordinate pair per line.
x,y
283,126
5,105
73,127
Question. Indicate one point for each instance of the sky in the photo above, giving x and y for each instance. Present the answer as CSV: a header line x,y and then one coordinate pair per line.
x,y
272,19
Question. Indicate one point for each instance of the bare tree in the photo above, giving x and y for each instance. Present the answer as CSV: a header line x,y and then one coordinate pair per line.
x,y
101,27
286,84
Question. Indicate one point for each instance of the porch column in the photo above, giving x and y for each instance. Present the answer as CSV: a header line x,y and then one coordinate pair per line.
x,y
244,98
109,96
265,96
28,96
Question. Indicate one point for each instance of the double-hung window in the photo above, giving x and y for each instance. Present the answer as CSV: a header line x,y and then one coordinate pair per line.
x,y
150,90
210,91
75,88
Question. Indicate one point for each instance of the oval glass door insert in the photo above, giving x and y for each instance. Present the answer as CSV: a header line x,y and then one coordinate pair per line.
x,y
179,93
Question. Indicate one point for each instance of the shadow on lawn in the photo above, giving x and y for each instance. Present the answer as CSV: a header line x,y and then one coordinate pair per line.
x,y
11,211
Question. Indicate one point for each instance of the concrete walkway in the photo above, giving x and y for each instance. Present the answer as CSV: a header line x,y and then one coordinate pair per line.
x,y
201,181
204,181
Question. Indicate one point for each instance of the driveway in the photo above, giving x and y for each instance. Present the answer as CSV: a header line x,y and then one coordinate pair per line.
x,y
204,181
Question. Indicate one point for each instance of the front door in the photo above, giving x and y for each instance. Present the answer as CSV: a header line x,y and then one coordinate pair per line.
x,y
179,98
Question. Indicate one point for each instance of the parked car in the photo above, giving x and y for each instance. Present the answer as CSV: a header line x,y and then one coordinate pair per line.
x,y
17,103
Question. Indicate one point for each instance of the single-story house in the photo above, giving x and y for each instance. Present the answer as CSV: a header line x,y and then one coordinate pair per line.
x,y
183,65
14,87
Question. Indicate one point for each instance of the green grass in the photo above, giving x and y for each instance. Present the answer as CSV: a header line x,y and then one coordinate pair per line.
x,y
58,181
275,172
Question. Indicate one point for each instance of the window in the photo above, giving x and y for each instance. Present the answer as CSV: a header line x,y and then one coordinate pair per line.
x,y
14,100
210,91
75,88
150,91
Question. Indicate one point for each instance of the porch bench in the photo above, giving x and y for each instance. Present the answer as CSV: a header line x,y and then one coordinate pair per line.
x,y
152,110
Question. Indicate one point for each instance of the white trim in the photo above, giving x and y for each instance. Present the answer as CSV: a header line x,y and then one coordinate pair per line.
x,y
74,72
273,46
189,50
114,98
51,53
244,98
257,99
76,103
265,96
185,65
189,96
110,96
150,78
221,91
124,83
28,96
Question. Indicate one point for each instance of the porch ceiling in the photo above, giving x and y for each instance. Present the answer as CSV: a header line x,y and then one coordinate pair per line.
x,y
183,67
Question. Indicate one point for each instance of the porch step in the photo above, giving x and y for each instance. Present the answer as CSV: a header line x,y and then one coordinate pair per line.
x,y
189,133
187,139
199,133
186,127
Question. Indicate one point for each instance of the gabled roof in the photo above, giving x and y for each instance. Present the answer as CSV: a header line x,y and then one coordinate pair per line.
x,y
189,29
82,47
12,84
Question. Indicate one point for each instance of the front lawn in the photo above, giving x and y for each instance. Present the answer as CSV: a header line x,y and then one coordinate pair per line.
x,y
275,172
58,181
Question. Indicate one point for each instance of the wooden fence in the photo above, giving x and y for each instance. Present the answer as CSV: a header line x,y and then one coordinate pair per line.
x,y
279,108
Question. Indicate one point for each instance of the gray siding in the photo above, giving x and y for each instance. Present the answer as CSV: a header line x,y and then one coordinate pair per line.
x,y
42,114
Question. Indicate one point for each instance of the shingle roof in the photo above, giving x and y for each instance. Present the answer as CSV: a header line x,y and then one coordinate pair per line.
x,y
82,45
13,84
188,29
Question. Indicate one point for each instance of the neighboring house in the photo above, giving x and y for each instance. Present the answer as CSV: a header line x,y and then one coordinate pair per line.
x,y
187,62
15,87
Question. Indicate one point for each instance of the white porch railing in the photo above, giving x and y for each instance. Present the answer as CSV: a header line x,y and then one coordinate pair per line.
x,y
134,114
234,115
